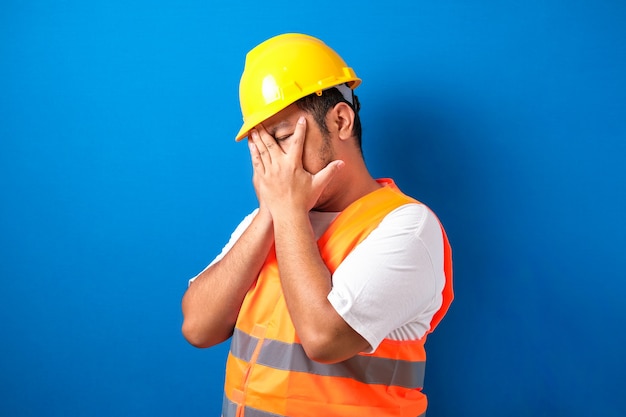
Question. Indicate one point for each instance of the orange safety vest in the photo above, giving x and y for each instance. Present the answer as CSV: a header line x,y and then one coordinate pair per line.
x,y
268,374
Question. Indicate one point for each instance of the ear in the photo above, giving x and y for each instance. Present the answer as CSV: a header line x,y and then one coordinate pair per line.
x,y
342,120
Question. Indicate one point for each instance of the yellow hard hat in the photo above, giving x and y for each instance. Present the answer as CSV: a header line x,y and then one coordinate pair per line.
x,y
282,70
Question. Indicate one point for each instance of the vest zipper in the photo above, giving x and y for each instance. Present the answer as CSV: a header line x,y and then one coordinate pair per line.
x,y
258,332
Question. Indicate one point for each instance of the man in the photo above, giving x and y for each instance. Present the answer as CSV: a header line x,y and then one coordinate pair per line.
x,y
330,287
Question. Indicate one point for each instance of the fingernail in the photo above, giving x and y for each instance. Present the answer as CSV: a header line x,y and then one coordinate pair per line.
x,y
301,120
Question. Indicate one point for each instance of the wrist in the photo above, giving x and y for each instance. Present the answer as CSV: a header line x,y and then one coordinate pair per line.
x,y
290,220
264,216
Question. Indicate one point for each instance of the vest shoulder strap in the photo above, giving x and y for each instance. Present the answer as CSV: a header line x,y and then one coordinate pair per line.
x,y
357,221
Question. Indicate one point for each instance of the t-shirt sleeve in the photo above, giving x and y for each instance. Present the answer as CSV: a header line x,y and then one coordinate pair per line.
x,y
231,242
391,283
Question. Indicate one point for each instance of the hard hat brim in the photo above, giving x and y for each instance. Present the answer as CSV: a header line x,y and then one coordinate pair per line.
x,y
279,105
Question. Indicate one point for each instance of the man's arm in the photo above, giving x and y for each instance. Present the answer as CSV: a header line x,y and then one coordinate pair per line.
x,y
212,301
306,283
289,192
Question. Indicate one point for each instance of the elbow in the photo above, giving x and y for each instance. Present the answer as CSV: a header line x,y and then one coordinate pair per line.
x,y
322,356
200,328
323,349
200,337
328,345
194,336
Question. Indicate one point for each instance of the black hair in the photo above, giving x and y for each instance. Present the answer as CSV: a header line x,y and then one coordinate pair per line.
x,y
319,106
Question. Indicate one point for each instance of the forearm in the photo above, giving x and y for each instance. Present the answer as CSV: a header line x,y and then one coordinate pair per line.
x,y
304,277
212,302
306,283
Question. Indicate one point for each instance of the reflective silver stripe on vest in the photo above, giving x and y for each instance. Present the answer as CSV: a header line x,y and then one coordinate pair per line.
x,y
366,369
229,409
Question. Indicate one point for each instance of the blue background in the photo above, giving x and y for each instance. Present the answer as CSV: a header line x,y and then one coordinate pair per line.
x,y
120,179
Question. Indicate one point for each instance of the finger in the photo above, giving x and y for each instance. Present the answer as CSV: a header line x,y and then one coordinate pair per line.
x,y
298,137
322,178
257,162
269,141
264,153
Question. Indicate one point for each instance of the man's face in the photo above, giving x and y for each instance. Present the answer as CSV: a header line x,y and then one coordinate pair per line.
x,y
318,151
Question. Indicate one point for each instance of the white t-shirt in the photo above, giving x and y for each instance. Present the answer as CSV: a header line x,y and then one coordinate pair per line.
x,y
391,284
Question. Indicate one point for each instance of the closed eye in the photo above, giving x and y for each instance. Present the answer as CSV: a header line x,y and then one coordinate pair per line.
x,y
283,138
